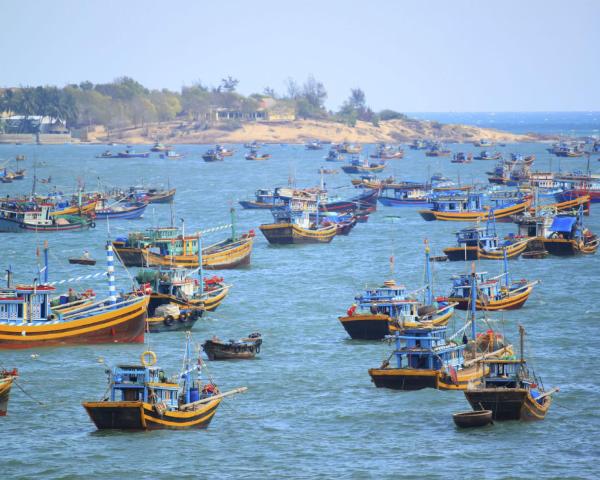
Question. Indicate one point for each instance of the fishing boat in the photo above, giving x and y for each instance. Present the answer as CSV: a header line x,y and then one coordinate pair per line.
x,y
387,152
437,150
7,377
510,390
106,154
212,156
314,145
253,155
151,195
567,236
224,152
427,357
129,153
351,149
479,418
29,319
405,194
18,217
381,311
263,199
483,143
293,224
469,207
142,397
483,243
120,210
570,150
334,156
85,259
253,145
191,293
159,147
171,247
493,293
357,165
461,157
171,155
242,349
418,145
487,155
63,207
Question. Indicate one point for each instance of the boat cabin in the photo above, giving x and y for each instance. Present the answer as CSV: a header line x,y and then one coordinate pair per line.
x,y
427,349
455,202
509,373
25,304
487,287
138,383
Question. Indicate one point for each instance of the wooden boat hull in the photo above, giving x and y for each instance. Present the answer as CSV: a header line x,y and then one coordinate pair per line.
x,y
478,418
82,261
354,169
377,326
254,205
417,379
161,324
510,302
228,254
13,226
132,213
508,403
88,208
430,215
5,386
288,233
143,416
562,247
138,257
477,253
211,301
123,324
395,202
216,351
163,197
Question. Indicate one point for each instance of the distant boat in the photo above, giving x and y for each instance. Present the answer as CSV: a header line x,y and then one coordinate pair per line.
x,y
159,147
171,155
132,154
212,156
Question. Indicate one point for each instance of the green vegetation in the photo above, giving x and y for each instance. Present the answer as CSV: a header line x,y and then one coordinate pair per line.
x,y
127,103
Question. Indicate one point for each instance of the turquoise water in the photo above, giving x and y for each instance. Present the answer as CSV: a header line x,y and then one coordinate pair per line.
x,y
311,410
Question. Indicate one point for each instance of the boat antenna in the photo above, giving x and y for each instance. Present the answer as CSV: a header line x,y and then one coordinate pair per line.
x,y
45,261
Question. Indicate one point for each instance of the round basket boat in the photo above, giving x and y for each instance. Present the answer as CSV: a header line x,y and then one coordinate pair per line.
x,y
477,418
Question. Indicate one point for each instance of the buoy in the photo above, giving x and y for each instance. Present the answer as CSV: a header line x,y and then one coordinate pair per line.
x,y
152,358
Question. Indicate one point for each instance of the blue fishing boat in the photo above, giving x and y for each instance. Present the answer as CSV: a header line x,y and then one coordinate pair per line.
x,y
129,153
143,397
483,243
510,390
461,157
120,210
30,318
171,155
314,145
212,156
428,358
265,199
382,310
334,156
405,194
487,155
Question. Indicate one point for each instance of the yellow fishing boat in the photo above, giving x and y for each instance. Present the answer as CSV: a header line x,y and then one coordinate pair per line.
x,y
6,380
469,207
290,233
83,209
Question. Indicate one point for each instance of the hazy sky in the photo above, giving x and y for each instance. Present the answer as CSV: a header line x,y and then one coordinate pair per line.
x,y
445,55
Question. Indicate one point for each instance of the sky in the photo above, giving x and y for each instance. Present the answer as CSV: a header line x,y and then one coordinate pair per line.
x,y
407,55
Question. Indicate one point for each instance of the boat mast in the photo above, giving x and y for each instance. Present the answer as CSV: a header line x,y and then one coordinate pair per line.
x,y
473,301
233,220
45,261
505,261
110,273
521,342
428,289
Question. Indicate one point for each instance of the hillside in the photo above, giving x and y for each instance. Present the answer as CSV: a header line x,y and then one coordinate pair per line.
x,y
300,131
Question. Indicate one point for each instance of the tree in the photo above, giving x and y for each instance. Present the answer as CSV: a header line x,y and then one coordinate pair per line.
x,y
270,92
292,88
314,92
195,100
228,84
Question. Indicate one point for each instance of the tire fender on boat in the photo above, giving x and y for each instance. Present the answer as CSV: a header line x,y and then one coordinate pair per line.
x,y
92,224
169,320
